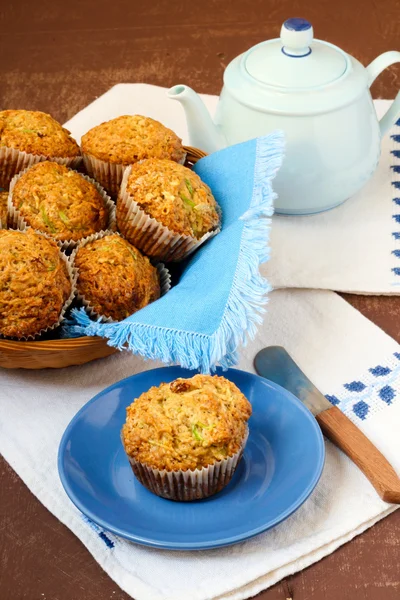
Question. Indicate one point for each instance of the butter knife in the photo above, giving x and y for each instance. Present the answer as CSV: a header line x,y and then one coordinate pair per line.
x,y
275,364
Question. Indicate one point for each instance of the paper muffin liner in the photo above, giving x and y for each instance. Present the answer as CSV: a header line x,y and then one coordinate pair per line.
x,y
17,221
150,236
110,175
12,161
186,486
163,274
4,218
73,276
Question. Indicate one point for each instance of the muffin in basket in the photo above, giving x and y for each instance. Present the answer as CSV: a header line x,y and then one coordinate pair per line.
x,y
165,209
3,209
185,439
36,284
110,147
60,202
27,137
114,279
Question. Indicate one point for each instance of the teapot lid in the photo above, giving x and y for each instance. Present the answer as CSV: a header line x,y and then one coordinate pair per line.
x,y
295,60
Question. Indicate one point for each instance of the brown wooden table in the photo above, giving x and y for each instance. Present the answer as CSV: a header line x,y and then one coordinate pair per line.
x,y
58,57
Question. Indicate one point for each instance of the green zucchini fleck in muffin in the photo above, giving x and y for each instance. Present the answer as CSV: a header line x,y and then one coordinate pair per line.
x,y
34,283
114,278
60,202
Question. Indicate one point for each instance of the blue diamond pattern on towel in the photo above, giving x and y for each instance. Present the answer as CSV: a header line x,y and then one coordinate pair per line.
x,y
396,253
374,390
361,409
355,386
380,371
387,394
333,399
396,270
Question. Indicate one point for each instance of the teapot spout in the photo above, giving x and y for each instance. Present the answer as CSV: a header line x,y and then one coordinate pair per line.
x,y
203,134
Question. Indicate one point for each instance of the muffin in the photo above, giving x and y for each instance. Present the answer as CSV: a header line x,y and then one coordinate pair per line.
x,y
3,209
60,202
27,137
114,279
184,439
110,147
36,284
165,209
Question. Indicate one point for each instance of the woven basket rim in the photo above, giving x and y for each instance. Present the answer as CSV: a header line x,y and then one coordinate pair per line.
x,y
194,154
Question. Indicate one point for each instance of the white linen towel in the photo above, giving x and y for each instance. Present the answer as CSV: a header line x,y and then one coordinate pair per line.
x,y
347,357
353,248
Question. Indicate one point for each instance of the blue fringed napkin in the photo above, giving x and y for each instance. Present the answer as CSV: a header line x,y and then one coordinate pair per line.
x,y
220,295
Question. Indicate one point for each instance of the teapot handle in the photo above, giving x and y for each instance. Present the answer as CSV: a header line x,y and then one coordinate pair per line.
x,y
374,69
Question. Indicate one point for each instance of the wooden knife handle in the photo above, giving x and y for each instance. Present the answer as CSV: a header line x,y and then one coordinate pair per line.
x,y
342,432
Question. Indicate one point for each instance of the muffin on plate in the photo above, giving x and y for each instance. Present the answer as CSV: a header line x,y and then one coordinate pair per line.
x,y
36,284
27,137
184,439
60,202
114,279
108,148
3,209
165,209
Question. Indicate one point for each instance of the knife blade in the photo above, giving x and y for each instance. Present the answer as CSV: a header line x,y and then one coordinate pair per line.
x,y
276,364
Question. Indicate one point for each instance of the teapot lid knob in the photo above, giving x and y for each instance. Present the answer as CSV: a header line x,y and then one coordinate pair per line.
x,y
296,37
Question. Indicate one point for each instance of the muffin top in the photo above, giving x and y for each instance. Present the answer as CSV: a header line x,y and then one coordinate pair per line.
x,y
186,424
3,209
173,195
34,283
60,202
127,139
115,278
37,133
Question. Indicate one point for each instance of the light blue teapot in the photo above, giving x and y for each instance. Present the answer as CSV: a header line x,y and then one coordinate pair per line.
x,y
319,96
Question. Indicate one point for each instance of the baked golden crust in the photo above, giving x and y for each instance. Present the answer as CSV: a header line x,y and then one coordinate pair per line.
x,y
127,139
34,283
173,195
186,424
60,202
115,278
36,133
3,209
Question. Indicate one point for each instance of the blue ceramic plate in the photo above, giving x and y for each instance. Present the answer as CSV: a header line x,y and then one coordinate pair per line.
x,y
281,465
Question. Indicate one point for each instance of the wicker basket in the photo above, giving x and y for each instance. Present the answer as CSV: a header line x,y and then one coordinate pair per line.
x,y
60,353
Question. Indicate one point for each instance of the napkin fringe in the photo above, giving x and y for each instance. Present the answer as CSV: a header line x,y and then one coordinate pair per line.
x,y
246,301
